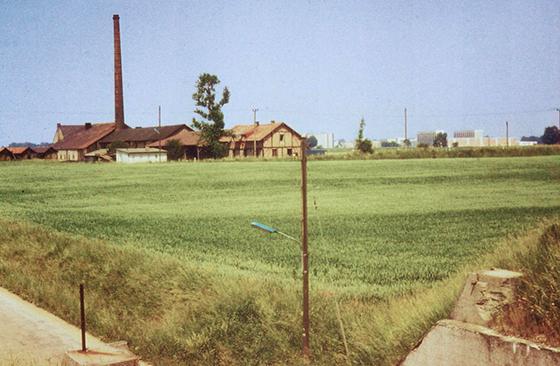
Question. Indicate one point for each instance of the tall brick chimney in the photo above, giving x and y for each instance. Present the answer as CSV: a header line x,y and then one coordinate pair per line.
x,y
119,102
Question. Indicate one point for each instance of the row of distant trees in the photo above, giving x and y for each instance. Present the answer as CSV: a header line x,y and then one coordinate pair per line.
x,y
550,136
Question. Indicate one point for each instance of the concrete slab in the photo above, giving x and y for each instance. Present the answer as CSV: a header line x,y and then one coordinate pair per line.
x,y
91,357
455,343
30,335
484,294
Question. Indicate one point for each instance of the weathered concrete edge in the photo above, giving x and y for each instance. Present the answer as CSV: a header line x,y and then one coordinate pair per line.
x,y
455,324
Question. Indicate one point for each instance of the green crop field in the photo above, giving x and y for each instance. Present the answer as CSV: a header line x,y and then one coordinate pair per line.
x,y
379,229
376,227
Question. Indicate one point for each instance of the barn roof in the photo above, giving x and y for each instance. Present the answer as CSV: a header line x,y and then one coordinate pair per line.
x,y
186,138
255,132
83,138
70,129
5,150
43,149
17,150
144,134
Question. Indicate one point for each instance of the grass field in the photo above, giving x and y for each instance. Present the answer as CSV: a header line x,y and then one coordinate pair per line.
x,y
379,230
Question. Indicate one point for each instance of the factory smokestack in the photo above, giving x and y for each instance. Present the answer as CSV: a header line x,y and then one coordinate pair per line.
x,y
119,102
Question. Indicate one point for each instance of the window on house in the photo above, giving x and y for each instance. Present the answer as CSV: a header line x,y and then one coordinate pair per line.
x,y
289,152
281,137
274,152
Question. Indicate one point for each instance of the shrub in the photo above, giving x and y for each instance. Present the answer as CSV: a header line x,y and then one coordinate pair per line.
x,y
365,146
174,150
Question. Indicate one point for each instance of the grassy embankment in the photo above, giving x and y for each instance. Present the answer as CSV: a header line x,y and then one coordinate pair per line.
x,y
189,281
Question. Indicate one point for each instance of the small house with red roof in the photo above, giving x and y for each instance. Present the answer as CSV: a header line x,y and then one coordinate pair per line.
x,y
6,154
46,152
22,152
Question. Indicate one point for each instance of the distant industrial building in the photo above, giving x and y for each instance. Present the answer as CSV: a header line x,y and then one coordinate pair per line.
x,y
426,137
472,138
500,141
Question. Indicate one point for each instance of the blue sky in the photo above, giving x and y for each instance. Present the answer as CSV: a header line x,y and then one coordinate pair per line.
x,y
317,65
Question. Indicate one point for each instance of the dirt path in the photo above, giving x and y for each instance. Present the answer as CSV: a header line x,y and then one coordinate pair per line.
x,y
31,336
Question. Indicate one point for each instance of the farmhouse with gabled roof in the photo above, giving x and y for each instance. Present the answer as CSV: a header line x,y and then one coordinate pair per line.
x,y
274,139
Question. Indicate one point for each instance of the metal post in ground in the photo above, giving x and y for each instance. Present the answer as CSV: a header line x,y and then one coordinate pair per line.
x,y
83,317
305,258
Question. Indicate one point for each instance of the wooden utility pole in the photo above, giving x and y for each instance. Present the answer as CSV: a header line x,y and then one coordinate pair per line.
x,y
507,134
255,110
159,132
405,125
304,254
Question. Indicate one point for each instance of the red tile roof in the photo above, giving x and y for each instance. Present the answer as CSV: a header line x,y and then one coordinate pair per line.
x,y
42,149
67,130
84,138
5,150
18,150
186,138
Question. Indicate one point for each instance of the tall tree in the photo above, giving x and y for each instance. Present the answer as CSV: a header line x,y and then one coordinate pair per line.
x,y
363,145
551,135
211,123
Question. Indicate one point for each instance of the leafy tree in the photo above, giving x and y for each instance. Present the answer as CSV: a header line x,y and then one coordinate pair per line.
x,y
551,135
455,144
174,149
211,124
366,146
440,140
406,142
361,144
311,142
113,146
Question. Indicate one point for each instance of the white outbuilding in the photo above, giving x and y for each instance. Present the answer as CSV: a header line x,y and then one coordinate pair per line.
x,y
141,155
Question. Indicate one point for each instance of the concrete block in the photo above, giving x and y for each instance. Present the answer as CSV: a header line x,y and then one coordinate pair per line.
x,y
116,357
454,343
484,294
